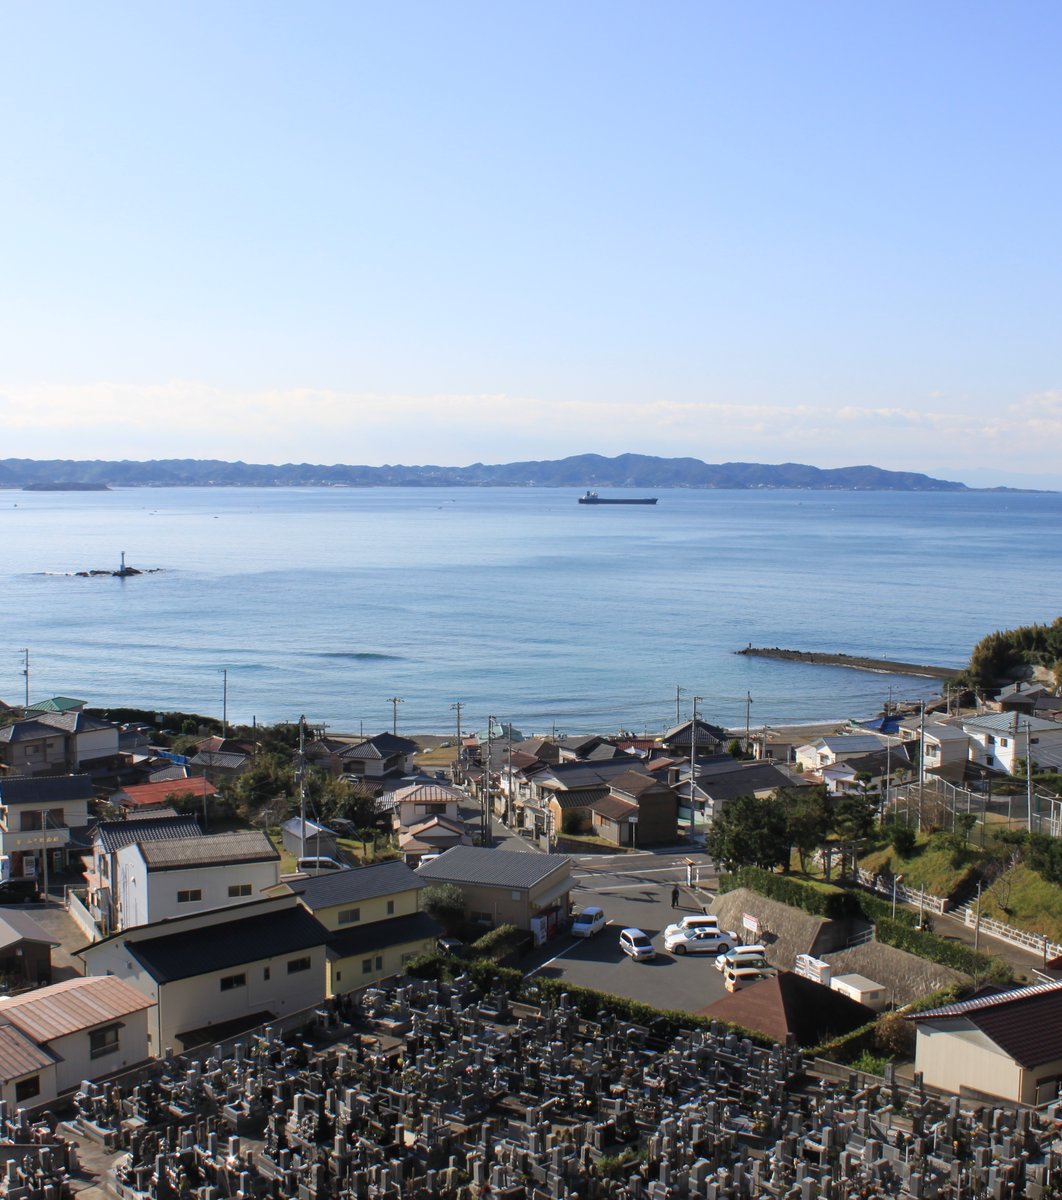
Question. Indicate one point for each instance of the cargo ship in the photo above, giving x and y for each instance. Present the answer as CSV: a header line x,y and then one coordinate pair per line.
x,y
594,498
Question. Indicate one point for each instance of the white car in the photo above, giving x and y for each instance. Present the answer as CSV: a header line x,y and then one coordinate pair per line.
x,y
700,941
742,956
588,922
735,979
636,944
692,922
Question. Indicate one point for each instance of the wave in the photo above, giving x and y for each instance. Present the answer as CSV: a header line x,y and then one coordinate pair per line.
x,y
359,655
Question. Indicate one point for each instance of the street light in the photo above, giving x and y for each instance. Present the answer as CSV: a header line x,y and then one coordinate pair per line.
x,y
895,881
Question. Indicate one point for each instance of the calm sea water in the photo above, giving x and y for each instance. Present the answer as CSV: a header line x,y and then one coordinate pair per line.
x,y
517,602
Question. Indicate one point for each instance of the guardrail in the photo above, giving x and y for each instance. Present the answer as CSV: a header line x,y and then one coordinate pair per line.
x,y
1036,943
925,900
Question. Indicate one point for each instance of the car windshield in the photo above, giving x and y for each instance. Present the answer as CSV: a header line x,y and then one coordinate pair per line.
x,y
639,939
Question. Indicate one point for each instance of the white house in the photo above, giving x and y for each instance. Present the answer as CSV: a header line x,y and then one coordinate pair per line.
x,y
947,747
419,802
214,974
53,1038
39,813
156,880
835,748
998,740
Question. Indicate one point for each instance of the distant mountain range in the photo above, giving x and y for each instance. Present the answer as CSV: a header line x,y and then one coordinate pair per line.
x,y
579,471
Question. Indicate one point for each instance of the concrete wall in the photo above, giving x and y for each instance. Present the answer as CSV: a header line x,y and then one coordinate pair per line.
x,y
48,1089
953,1055
369,911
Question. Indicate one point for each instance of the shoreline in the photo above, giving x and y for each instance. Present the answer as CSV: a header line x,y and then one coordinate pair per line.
x,y
855,662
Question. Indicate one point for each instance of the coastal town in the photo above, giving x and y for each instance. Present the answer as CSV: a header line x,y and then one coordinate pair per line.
x,y
709,962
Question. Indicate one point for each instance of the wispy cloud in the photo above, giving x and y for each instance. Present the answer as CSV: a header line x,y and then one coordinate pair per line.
x,y
182,418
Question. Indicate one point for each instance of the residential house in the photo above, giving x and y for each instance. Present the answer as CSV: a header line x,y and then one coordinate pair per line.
x,y
561,796
422,800
220,758
432,836
947,747
999,740
722,781
835,748
192,792
53,1038
216,973
1022,697
374,921
25,950
32,747
56,704
709,739
585,748
866,772
108,837
155,880
507,887
638,811
43,815
91,743
1008,1045
378,757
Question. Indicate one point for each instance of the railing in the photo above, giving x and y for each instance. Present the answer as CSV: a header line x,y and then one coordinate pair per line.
x,y
1035,943
924,900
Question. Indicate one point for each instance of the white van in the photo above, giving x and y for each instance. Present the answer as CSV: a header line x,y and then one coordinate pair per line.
x,y
742,956
318,866
737,978
588,922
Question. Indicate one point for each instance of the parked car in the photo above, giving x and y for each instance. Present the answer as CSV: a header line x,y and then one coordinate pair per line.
x,y
742,956
693,921
454,947
700,941
736,978
19,891
635,943
589,922
318,865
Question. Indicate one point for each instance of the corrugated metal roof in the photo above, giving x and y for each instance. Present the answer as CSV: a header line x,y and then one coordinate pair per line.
x,y
158,793
18,927
19,1056
210,850
359,883
74,1004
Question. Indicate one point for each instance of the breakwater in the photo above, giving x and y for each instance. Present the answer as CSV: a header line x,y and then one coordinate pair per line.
x,y
889,666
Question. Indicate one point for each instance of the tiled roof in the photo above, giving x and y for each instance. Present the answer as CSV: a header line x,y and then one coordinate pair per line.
x,y
497,868
634,783
428,793
398,931
786,1004
220,759
74,1004
201,951
359,883
48,789
583,774
19,1056
1025,1022
75,722
383,745
113,835
614,808
582,797
208,850
27,731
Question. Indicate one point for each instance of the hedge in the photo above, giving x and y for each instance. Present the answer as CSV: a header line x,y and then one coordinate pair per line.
x,y
899,931
821,900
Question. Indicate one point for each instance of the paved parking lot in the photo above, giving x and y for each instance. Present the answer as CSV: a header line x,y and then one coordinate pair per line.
x,y
635,889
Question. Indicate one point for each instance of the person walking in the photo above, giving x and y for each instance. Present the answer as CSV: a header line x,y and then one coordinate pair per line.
x,y
674,896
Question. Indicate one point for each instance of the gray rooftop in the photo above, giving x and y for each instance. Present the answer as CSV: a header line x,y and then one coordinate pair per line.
x,y
113,835
211,850
497,868
358,883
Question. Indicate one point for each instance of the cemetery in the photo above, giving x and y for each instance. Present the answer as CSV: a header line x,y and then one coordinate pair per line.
x,y
421,1089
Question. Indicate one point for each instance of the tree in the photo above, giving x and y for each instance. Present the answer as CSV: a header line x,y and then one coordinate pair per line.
x,y
750,832
807,818
445,902
854,815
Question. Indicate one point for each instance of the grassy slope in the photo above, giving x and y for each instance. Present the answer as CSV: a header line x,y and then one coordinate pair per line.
x,y
1033,903
930,867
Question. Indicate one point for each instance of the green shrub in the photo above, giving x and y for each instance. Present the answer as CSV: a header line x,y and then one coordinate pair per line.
x,y
498,942
942,950
872,1064
903,839
819,899
848,1046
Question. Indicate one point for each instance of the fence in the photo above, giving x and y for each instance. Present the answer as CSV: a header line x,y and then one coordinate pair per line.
x,y
1035,943
925,901
83,919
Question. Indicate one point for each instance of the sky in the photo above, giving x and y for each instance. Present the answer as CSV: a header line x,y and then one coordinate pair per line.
x,y
457,232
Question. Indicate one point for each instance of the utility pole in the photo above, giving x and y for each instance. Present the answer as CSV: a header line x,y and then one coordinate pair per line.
x,y
977,921
300,783
394,702
678,704
457,705
693,770
748,709
921,761
485,839
224,702
1029,773
25,671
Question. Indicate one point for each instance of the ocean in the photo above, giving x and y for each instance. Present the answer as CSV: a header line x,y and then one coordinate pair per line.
x,y
515,602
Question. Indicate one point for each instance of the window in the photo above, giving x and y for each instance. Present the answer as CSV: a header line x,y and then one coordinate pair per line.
x,y
229,982
30,820
1003,742
190,896
390,907
103,1041
379,962
239,889
265,973
349,916
339,976
298,964
25,1089
366,966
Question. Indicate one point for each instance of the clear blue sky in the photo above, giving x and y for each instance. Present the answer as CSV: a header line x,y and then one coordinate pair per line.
x,y
817,232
